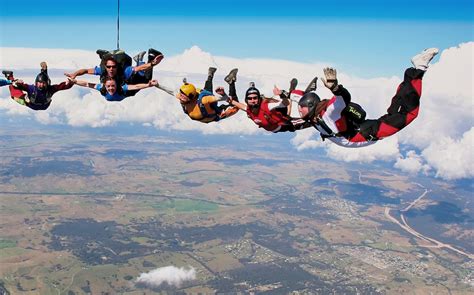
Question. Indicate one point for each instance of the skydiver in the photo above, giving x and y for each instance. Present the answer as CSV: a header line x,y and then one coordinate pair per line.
x,y
37,96
272,114
201,104
110,90
18,95
328,117
111,66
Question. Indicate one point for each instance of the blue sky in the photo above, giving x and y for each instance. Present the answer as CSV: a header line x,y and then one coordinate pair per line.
x,y
368,38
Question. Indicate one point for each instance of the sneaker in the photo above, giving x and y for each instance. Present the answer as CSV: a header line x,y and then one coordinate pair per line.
x,y
312,85
293,84
44,66
102,52
152,53
231,77
211,71
421,60
139,57
7,74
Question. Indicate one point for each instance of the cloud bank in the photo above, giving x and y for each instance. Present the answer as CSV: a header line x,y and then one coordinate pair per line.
x,y
170,275
439,140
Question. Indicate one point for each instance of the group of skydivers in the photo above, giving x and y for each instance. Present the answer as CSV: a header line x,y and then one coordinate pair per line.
x,y
337,119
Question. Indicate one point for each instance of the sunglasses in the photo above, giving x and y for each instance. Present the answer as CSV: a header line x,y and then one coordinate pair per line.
x,y
252,97
110,67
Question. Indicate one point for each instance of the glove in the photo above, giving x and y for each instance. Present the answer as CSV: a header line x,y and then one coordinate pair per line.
x,y
331,79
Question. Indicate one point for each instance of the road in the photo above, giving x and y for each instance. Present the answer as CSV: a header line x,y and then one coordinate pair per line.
x,y
431,243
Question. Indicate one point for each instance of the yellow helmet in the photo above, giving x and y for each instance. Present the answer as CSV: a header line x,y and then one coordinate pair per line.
x,y
188,89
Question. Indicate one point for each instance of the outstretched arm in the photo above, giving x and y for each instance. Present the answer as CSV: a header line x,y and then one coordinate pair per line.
x,y
166,89
62,86
330,81
143,85
19,84
83,83
222,96
151,64
240,105
285,98
80,72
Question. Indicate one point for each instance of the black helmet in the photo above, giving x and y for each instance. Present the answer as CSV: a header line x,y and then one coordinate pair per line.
x,y
252,90
42,77
309,100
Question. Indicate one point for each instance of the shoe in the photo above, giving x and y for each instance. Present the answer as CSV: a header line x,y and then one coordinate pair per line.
x,y
139,57
102,52
232,76
152,53
421,60
293,84
312,85
7,74
211,71
44,67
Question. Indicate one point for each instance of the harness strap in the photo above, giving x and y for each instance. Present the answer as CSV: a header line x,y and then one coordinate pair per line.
x,y
326,128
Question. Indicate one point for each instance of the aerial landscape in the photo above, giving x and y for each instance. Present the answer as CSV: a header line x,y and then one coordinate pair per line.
x,y
236,147
91,213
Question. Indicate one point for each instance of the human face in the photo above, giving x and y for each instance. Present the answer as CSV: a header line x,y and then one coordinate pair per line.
x,y
111,68
303,111
252,100
111,87
183,99
41,85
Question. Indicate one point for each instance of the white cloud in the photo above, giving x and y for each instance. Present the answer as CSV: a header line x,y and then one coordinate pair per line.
x,y
386,149
452,158
307,139
171,275
446,112
412,163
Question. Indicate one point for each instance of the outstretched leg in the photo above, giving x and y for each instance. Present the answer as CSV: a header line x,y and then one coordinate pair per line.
x,y
210,75
312,85
227,109
231,78
233,92
404,106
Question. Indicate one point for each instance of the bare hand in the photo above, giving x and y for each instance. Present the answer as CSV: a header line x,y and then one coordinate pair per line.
x,y
153,83
69,75
220,90
16,82
276,90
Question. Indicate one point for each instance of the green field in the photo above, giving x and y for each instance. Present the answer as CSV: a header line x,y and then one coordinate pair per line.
x,y
7,244
186,206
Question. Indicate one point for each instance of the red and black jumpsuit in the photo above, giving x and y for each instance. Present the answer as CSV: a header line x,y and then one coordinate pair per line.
x,y
401,112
